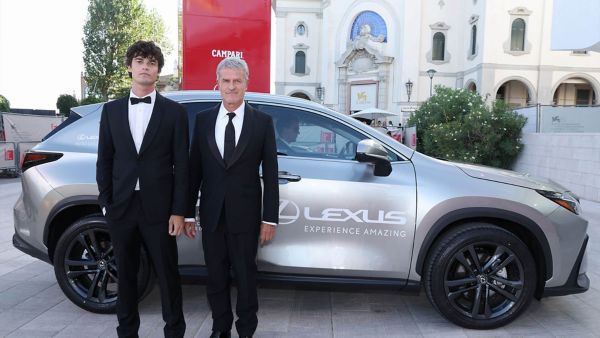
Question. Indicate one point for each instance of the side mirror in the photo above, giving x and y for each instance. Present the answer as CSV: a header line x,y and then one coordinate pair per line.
x,y
371,151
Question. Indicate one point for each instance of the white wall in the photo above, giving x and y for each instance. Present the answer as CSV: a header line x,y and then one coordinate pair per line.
x,y
572,160
409,42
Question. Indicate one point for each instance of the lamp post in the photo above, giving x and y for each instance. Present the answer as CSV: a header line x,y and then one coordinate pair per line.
x,y
409,86
431,73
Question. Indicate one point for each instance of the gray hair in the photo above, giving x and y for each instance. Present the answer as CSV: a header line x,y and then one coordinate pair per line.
x,y
233,63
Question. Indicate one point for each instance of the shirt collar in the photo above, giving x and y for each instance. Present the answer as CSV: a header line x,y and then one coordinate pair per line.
x,y
152,95
239,112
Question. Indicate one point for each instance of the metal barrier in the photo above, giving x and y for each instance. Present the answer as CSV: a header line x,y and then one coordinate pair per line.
x,y
410,137
12,155
8,159
561,119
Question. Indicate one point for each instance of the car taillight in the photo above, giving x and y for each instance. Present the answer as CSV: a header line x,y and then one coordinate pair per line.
x,y
31,159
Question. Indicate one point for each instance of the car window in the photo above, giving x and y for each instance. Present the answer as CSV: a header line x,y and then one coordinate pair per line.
x,y
305,134
72,118
193,108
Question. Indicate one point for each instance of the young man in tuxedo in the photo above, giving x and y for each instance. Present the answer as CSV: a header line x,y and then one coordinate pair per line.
x,y
229,144
142,175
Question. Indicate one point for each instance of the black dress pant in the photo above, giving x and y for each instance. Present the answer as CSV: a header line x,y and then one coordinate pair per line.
x,y
128,234
225,251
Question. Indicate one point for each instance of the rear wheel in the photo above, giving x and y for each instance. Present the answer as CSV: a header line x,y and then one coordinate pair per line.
x,y
85,267
480,276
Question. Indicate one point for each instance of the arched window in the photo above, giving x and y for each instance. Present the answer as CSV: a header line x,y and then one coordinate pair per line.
x,y
439,45
517,35
301,29
301,96
472,87
473,40
300,65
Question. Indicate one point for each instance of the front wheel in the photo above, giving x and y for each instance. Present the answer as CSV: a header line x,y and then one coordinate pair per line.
x,y
480,276
85,267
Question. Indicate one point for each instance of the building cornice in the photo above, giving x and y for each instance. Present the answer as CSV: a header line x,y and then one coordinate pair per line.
x,y
281,12
300,84
499,66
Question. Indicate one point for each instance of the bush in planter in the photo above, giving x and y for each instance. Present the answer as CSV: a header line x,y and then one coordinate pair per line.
x,y
456,125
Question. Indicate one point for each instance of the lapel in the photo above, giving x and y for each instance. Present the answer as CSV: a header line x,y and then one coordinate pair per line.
x,y
247,129
123,110
153,124
210,135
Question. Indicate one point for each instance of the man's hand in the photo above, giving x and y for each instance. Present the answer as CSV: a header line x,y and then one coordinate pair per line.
x,y
267,232
190,229
175,225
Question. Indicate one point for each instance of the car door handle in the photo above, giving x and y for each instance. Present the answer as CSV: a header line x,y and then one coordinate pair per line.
x,y
284,175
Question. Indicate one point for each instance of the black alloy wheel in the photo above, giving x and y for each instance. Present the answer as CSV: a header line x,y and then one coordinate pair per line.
x,y
480,276
484,280
85,267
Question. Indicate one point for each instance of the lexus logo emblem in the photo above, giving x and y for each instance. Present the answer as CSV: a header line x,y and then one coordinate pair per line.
x,y
288,212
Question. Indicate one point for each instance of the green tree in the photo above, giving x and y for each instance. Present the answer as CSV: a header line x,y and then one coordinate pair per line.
x,y
456,125
4,104
110,28
90,99
65,102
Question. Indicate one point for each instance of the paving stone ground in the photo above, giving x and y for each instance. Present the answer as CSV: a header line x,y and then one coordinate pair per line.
x,y
32,304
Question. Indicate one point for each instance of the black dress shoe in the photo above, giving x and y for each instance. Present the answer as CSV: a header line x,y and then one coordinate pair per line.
x,y
219,334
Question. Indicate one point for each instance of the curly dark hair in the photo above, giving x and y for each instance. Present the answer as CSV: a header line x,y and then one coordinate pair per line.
x,y
145,49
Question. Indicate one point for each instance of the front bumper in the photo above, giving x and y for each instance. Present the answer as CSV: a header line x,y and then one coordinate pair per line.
x,y
578,280
20,244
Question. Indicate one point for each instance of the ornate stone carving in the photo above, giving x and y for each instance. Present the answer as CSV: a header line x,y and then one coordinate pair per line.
x,y
364,38
362,62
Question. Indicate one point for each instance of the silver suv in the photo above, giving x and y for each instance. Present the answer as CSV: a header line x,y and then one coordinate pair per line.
x,y
357,207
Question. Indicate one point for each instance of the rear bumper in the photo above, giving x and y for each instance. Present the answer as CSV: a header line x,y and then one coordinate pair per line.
x,y
20,244
578,281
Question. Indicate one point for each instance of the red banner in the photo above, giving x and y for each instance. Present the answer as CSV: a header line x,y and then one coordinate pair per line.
x,y
216,29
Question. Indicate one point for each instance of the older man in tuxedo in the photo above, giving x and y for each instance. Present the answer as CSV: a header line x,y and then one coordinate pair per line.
x,y
230,143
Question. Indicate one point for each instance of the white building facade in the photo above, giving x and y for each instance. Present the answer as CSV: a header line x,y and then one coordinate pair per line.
x,y
355,54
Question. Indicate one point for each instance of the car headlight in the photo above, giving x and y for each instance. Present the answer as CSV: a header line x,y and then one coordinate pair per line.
x,y
566,200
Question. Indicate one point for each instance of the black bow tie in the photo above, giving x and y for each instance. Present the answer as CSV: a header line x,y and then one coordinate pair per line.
x,y
135,100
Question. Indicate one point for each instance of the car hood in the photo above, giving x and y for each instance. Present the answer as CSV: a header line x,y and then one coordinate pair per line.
x,y
510,177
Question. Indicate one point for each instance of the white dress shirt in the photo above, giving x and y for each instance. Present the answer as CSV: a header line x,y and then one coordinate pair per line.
x,y
139,117
221,123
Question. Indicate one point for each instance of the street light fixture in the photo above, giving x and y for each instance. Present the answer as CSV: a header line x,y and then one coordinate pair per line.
x,y
409,86
431,73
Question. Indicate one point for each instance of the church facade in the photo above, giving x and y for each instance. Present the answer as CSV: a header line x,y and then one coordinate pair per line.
x,y
390,54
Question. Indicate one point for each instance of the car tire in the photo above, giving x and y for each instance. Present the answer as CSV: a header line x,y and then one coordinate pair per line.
x,y
89,281
480,276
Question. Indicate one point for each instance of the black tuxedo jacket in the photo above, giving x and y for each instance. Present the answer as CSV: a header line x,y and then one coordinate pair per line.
x,y
236,186
161,165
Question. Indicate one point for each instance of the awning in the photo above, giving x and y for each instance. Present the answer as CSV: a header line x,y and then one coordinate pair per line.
x,y
373,113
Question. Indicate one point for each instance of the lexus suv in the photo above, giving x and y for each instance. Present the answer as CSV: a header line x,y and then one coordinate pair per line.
x,y
356,207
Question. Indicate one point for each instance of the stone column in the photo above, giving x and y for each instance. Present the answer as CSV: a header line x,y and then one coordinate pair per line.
x,y
343,90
